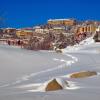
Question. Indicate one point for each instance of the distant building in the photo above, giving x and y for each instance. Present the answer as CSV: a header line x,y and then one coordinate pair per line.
x,y
24,33
65,22
9,31
46,30
38,29
59,28
86,28
98,29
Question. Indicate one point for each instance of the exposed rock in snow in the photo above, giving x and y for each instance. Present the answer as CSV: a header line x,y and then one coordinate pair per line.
x,y
56,84
58,50
83,74
53,85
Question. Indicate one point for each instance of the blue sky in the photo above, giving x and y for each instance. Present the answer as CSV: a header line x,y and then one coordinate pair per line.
x,y
26,13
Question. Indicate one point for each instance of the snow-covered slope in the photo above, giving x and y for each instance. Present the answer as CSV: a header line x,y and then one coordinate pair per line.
x,y
25,74
83,44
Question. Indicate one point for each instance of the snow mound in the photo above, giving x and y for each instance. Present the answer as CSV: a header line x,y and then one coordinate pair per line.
x,y
79,46
87,41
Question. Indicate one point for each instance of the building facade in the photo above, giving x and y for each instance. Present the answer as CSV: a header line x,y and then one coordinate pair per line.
x,y
24,33
65,22
98,29
88,28
10,31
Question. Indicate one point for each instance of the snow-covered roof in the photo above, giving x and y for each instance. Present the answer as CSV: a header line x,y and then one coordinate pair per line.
x,y
36,27
59,19
59,28
10,28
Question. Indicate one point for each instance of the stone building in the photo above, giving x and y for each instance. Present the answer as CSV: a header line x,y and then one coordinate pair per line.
x,y
65,22
24,33
86,28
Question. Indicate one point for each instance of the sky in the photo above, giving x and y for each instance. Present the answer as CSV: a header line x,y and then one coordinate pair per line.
x,y
27,13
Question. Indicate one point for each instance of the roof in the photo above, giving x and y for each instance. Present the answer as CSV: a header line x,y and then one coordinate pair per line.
x,y
60,19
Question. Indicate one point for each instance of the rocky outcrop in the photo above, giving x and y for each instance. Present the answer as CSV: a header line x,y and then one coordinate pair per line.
x,y
83,74
56,84
53,85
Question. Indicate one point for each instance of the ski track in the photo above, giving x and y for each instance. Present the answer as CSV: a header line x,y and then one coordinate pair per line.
x,y
85,86
26,77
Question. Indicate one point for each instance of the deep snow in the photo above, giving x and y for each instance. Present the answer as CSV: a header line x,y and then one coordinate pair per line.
x,y
24,74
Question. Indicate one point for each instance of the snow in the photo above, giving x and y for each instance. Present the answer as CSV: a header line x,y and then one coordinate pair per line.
x,y
59,80
59,19
41,87
81,45
87,41
25,74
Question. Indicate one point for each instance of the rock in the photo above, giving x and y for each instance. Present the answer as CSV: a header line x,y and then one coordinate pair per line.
x,y
53,85
97,37
83,74
58,50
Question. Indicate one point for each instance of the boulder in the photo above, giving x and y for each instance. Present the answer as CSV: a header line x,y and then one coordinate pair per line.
x,y
58,50
83,74
53,85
